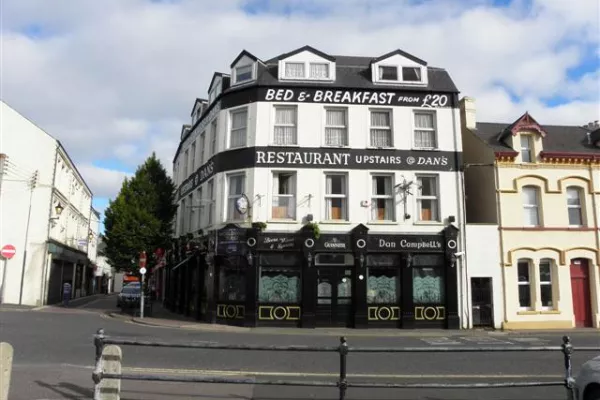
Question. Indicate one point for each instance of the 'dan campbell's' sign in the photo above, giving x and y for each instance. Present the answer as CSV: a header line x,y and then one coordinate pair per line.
x,y
368,97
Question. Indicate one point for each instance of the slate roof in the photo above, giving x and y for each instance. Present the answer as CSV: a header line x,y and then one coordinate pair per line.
x,y
355,72
559,138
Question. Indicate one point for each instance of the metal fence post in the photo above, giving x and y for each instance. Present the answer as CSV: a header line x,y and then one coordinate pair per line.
x,y
567,349
97,374
343,383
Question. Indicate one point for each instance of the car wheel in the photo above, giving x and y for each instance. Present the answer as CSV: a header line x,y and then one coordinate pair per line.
x,y
592,393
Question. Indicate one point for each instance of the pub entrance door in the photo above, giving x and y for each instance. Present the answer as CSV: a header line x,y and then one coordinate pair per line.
x,y
334,296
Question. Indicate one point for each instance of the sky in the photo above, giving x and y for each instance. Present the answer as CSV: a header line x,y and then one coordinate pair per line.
x,y
114,80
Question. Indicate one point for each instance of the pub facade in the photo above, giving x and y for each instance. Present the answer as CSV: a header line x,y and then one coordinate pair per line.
x,y
319,190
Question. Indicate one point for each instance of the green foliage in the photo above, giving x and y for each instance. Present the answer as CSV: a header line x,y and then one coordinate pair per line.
x,y
314,227
140,217
261,226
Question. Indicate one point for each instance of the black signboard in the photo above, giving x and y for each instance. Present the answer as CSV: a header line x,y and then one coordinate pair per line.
x,y
382,97
318,157
273,241
331,242
412,243
231,241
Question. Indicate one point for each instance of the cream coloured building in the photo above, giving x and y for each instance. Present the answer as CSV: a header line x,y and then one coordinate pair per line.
x,y
540,184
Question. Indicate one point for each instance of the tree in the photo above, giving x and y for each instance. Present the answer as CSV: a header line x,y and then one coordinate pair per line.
x,y
140,217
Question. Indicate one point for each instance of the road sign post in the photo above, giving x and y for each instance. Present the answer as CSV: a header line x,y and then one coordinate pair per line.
x,y
7,252
143,272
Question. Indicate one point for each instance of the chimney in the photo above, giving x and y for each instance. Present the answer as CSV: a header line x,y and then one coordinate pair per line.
x,y
468,117
589,137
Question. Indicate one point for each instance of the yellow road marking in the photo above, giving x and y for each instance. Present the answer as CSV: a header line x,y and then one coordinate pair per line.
x,y
327,374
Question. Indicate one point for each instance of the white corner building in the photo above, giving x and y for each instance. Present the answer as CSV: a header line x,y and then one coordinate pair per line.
x,y
366,148
45,209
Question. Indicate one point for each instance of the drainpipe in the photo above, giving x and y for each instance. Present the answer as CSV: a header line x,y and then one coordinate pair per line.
x,y
460,202
45,268
595,208
500,237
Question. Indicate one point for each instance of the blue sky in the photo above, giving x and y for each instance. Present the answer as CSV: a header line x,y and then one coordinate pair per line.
x,y
115,80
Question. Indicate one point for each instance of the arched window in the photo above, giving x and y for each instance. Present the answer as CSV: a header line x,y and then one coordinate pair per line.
x,y
531,205
524,281
546,296
574,205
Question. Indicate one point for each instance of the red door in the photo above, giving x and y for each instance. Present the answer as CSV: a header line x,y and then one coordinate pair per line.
x,y
580,288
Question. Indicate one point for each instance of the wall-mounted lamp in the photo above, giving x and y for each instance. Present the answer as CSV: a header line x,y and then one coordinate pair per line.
x,y
309,258
58,210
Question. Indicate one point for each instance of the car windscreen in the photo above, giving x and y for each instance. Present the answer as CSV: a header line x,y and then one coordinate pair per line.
x,y
131,290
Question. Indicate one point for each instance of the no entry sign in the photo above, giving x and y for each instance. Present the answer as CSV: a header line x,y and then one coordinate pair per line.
x,y
8,251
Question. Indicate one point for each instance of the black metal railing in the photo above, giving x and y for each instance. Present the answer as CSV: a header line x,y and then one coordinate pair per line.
x,y
100,340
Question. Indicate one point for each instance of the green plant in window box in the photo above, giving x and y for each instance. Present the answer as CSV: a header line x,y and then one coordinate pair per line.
x,y
260,226
314,227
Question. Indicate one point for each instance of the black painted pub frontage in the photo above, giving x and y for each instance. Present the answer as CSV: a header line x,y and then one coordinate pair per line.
x,y
249,277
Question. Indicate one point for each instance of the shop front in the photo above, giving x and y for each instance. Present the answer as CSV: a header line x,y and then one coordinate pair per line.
x,y
359,279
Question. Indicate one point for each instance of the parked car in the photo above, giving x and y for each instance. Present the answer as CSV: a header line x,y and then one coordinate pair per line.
x,y
587,382
130,296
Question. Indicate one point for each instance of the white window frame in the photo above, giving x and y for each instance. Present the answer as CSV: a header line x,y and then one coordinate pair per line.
x,y
390,128
398,73
386,197
529,150
536,206
275,125
345,197
202,147
291,197
434,129
193,159
214,127
231,198
244,128
182,206
344,127
578,207
192,213
541,283
236,81
527,283
436,198
186,162
200,206
210,193
307,64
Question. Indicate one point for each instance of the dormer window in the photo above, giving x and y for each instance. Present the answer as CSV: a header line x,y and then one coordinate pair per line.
x,y
388,73
294,70
243,73
392,73
526,153
411,74
307,70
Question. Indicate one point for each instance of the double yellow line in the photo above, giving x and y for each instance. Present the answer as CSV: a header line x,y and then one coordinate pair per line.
x,y
212,372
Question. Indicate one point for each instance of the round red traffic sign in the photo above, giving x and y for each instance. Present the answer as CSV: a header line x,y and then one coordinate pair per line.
x,y
8,251
142,259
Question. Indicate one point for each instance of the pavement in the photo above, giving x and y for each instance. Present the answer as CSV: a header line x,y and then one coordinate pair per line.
x,y
54,358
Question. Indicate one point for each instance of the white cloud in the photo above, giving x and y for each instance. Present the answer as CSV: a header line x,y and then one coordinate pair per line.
x,y
116,79
102,181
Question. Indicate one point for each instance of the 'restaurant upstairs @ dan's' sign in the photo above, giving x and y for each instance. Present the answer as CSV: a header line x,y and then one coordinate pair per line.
x,y
316,157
